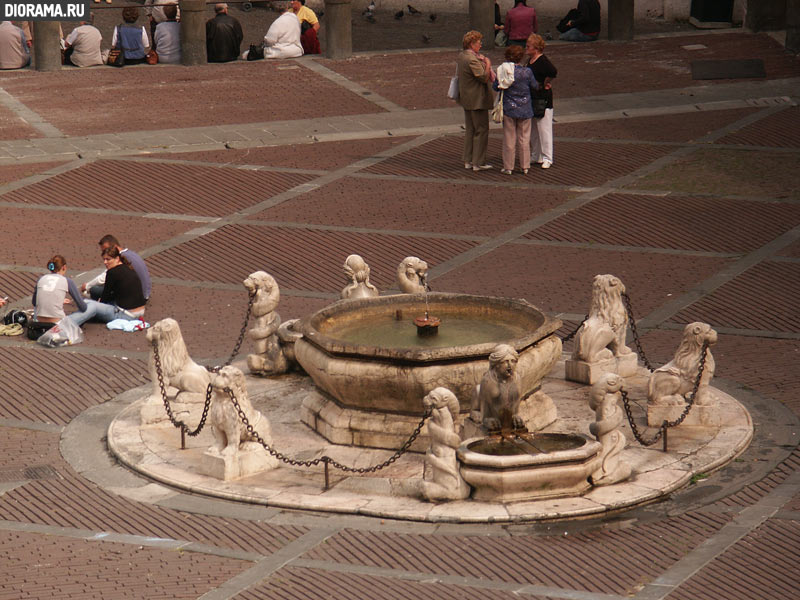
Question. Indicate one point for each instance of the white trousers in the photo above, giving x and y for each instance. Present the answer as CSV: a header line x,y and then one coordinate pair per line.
x,y
542,138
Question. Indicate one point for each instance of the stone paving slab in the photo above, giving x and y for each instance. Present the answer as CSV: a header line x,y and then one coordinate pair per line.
x,y
393,493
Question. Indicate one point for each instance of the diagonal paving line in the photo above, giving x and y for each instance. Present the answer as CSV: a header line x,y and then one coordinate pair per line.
x,y
269,564
718,279
352,86
748,519
29,116
583,199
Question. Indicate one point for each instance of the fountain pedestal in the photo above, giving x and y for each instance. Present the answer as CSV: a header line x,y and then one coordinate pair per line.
x,y
589,373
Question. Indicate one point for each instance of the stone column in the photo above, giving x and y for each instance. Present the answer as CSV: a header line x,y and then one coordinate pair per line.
x,y
793,26
620,19
338,29
46,47
481,18
193,32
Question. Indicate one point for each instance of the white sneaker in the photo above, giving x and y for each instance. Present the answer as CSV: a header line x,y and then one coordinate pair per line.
x,y
524,171
505,171
546,164
481,167
467,165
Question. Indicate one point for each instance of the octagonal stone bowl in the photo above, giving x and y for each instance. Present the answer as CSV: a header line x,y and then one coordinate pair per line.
x,y
508,471
365,354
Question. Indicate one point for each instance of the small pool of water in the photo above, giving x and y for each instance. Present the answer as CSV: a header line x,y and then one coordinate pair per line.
x,y
527,444
454,331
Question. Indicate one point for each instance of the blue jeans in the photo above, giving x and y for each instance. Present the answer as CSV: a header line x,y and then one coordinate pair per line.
x,y
576,35
102,312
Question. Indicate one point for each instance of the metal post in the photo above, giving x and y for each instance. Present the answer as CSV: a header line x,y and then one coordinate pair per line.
x,y
664,430
46,46
481,18
183,438
193,32
327,480
620,19
338,30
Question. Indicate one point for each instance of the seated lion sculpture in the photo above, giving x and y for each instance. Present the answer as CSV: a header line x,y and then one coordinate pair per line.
x,y
602,336
411,275
230,433
268,358
669,385
178,370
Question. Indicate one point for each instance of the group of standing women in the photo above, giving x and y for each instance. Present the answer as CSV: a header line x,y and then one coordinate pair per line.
x,y
524,76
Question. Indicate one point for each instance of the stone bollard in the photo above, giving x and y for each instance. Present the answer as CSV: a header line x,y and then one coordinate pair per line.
x,y
620,19
193,32
46,50
481,18
338,29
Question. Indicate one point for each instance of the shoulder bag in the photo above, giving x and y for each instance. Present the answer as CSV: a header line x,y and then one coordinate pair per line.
x,y
452,91
116,57
497,111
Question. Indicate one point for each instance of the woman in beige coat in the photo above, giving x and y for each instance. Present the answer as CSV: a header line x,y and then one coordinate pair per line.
x,y
476,97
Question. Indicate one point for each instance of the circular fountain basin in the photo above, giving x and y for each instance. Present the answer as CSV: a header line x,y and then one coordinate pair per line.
x,y
506,471
366,355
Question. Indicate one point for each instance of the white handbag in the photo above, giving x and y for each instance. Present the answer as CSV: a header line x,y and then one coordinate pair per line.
x,y
452,91
497,111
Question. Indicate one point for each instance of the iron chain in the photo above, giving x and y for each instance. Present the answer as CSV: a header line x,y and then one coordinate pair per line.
x,y
250,300
168,408
637,341
323,459
572,334
667,424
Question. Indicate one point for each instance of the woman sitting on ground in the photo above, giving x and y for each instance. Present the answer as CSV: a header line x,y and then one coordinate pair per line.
x,y
50,294
167,38
122,296
129,38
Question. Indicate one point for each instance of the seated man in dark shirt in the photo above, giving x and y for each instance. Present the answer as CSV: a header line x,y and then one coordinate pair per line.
x,y
584,22
223,36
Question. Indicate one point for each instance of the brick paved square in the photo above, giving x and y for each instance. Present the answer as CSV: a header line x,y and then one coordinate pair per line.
x,y
759,173
558,279
677,222
683,127
147,187
761,298
318,155
781,130
232,252
402,205
17,284
441,158
15,172
74,235
241,92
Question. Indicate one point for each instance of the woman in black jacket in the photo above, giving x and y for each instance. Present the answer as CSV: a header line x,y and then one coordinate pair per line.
x,y
542,128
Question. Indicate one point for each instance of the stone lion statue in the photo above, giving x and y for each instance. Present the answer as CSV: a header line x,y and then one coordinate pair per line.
x,y
177,367
230,434
669,384
357,272
441,478
268,358
604,400
411,275
602,336
497,396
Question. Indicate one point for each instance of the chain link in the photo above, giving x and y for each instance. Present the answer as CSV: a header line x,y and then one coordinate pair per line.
x,y
179,424
667,424
251,298
572,334
324,459
637,341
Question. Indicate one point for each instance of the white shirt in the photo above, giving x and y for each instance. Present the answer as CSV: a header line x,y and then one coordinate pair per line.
x,y
283,38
